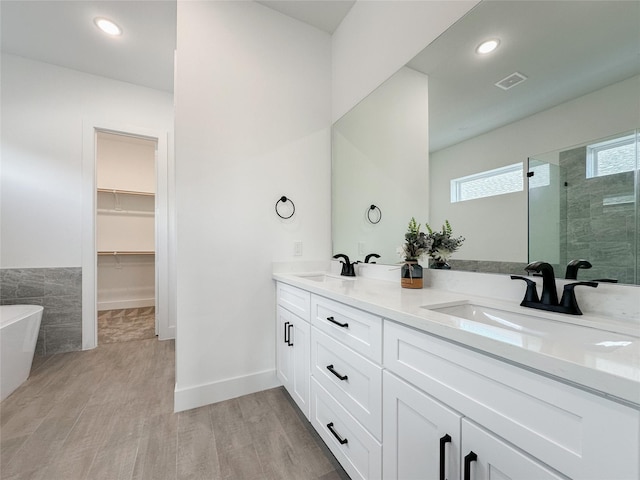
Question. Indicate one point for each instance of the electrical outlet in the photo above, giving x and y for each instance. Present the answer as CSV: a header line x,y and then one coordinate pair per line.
x,y
297,248
360,248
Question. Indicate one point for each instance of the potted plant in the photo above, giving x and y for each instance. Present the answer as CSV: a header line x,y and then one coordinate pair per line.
x,y
415,246
443,245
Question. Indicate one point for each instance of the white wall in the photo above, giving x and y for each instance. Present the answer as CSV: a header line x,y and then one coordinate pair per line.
x,y
43,107
252,124
377,38
496,227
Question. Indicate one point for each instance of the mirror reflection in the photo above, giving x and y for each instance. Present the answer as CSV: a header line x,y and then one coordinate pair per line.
x,y
580,66
583,209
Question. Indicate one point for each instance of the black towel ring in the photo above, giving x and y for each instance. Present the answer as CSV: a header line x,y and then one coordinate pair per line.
x,y
373,208
284,199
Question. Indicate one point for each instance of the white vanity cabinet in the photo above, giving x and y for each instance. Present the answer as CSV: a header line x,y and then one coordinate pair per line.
x,y
518,423
425,439
346,385
394,402
293,343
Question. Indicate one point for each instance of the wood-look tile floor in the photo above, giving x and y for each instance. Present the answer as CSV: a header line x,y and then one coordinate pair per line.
x,y
108,414
124,325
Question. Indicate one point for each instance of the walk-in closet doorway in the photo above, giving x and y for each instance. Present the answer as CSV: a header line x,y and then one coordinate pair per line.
x,y
125,239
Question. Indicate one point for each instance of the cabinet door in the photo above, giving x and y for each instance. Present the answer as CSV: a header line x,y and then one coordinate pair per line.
x,y
293,357
300,344
487,457
284,352
421,437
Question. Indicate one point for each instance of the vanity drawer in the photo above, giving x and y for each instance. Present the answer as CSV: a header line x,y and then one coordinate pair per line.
x,y
352,379
359,453
295,300
359,330
565,427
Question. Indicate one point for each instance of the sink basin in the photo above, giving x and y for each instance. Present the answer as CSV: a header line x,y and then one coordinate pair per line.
x,y
483,314
513,326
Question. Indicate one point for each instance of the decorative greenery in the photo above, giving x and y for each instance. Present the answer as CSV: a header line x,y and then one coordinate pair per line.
x,y
443,244
416,243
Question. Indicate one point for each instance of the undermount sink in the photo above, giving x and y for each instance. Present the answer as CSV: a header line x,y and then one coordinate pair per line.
x,y
509,326
484,314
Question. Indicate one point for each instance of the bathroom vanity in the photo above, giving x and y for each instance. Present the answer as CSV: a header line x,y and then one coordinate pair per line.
x,y
404,384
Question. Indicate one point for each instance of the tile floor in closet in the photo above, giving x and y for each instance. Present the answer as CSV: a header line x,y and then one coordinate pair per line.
x,y
108,414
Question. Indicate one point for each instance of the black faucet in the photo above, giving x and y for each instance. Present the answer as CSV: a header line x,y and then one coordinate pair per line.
x,y
549,299
549,292
573,266
368,257
348,269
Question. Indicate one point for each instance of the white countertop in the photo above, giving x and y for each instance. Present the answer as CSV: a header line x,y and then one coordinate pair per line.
x,y
596,354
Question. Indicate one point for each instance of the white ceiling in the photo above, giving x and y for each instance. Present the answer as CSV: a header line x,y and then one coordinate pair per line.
x,y
565,48
61,32
323,14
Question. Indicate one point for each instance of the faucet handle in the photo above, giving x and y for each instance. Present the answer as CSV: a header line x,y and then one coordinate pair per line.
x,y
531,295
569,301
368,257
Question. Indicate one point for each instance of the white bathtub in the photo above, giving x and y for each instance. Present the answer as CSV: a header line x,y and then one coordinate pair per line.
x,y
19,326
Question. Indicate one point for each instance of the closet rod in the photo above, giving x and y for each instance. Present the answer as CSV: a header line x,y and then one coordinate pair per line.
x,y
127,252
126,192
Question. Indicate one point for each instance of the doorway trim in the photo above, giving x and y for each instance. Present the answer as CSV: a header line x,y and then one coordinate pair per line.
x,y
165,318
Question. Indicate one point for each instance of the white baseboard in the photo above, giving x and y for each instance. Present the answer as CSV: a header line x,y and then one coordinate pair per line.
x,y
200,395
120,304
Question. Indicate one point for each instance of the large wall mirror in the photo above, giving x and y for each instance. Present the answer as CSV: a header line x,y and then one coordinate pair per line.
x,y
440,140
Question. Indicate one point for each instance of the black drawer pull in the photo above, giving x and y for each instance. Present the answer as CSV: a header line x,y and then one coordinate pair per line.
x,y
286,330
343,325
341,377
341,440
289,341
471,457
443,441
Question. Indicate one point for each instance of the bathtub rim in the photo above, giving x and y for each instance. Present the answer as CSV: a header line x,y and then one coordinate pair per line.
x,y
10,314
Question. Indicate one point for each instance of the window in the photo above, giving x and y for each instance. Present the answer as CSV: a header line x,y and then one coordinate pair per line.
x,y
541,176
611,156
487,184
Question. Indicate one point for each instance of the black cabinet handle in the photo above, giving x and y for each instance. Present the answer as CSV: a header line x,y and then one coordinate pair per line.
x,y
341,377
341,440
343,325
286,330
443,441
289,341
471,457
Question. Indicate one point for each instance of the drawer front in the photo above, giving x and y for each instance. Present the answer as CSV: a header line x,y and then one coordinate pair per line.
x,y
295,300
566,428
352,379
357,451
361,331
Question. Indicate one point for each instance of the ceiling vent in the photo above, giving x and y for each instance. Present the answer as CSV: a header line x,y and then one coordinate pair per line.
x,y
511,81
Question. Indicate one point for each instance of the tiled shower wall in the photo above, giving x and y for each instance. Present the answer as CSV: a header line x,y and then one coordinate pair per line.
x,y
591,227
59,291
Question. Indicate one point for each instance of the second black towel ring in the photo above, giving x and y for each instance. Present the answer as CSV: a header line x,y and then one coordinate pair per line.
x,y
373,208
284,199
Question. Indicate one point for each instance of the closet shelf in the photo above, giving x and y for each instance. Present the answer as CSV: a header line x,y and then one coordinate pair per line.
x,y
113,211
127,252
125,192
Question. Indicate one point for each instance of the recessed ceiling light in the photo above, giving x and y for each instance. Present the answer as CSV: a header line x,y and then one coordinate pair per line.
x,y
487,46
107,26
